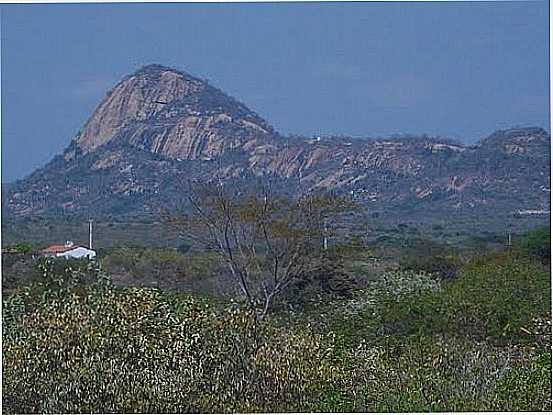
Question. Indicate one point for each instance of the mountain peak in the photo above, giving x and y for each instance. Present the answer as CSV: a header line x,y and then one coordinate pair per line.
x,y
137,97
155,67
164,110
157,70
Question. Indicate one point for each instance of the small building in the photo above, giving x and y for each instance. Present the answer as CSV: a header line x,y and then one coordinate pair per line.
x,y
69,250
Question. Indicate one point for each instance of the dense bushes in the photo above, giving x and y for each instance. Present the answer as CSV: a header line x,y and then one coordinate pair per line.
x,y
203,273
326,278
42,272
527,385
445,266
138,350
449,374
166,268
538,244
93,348
431,257
17,270
479,342
409,342
495,298
146,263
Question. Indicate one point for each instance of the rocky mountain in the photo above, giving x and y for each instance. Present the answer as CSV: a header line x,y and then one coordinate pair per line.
x,y
160,126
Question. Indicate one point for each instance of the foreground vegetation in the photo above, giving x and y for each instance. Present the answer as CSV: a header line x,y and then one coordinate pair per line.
x,y
407,338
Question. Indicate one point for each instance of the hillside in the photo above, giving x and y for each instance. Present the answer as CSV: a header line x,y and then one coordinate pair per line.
x,y
159,127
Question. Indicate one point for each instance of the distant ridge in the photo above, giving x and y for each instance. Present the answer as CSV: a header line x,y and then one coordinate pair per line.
x,y
159,126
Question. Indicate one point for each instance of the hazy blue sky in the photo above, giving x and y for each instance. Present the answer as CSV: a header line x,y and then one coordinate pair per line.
x,y
362,69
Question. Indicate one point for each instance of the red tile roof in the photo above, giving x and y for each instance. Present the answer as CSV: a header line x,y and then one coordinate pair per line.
x,y
58,249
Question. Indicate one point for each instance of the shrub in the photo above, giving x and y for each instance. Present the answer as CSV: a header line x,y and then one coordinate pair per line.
x,y
74,343
122,259
527,386
97,349
325,277
24,247
445,374
538,244
445,266
18,271
493,298
157,264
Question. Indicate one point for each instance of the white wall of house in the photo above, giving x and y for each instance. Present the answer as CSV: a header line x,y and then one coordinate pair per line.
x,y
78,252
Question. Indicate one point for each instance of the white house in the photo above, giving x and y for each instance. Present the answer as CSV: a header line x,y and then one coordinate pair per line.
x,y
69,250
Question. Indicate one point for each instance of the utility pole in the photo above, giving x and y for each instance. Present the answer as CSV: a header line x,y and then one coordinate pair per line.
x,y
90,234
509,241
325,240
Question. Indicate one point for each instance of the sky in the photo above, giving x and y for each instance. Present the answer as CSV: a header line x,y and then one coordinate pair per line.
x,y
456,69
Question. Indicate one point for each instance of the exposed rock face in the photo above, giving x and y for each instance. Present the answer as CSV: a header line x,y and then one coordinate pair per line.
x,y
171,113
158,126
138,98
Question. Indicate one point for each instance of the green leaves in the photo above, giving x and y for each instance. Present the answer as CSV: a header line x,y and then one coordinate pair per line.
x,y
414,344
139,350
490,300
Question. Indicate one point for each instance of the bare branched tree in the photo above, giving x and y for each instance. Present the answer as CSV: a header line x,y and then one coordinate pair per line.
x,y
265,241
